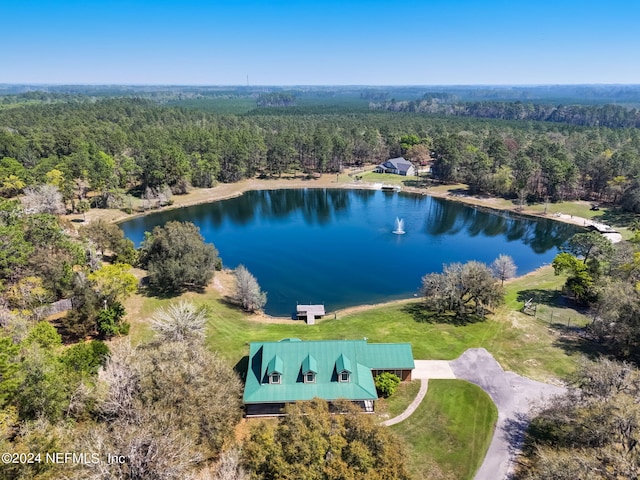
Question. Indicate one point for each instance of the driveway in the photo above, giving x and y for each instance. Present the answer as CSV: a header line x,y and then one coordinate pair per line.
x,y
514,395
426,369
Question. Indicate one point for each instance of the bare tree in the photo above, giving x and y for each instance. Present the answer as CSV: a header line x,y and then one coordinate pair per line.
x,y
248,291
179,322
228,467
43,199
164,194
147,454
120,382
504,268
169,407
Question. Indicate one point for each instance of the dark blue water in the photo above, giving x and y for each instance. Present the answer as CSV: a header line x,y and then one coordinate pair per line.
x,y
336,246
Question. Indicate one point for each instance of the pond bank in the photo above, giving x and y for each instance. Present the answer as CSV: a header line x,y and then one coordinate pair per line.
x,y
225,191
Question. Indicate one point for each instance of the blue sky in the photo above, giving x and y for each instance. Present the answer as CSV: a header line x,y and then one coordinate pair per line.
x,y
287,42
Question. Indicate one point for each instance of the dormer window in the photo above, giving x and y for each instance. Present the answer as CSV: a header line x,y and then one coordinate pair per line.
x,y
309,369
275,368
343,369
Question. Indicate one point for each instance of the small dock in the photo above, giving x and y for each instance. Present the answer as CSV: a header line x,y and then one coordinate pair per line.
x,y
601,228
309,313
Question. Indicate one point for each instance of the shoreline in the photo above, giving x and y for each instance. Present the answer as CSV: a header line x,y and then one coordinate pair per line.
x,y
231,190
225,191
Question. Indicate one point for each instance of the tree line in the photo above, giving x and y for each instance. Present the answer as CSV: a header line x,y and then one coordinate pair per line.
x,y
612,116
593,431
113,147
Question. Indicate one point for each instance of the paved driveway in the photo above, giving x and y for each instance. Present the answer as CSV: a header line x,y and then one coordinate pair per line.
x,y
514,396
426,369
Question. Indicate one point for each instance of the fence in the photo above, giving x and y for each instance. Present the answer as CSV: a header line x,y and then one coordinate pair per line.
x,y
54,308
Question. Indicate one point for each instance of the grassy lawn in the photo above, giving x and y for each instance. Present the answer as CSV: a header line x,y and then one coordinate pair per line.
x,y
449,434
579,209
387,178
398,402
523,343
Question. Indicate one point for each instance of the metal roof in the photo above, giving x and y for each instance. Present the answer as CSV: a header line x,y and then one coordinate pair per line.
x,y
276,365
326,358
343,364
309,364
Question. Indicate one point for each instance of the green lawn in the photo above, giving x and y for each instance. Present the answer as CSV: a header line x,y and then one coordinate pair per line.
x,y
387,178
579,209
398,402
525,344
450,432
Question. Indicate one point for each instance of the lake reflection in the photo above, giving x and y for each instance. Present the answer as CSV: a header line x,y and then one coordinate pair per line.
x,y
336,246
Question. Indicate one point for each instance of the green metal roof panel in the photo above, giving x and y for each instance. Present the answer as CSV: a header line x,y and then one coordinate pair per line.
x,y
276,365
288,359
343,364
390,356
309,364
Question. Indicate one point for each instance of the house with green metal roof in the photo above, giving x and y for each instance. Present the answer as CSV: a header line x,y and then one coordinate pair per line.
x,y
291,370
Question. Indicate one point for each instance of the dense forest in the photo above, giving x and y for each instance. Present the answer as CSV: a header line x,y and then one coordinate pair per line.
x,y
69,149
613,116
115,146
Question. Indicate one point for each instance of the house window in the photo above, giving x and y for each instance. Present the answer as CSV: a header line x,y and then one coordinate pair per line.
x,y
310,378
274,378
344,377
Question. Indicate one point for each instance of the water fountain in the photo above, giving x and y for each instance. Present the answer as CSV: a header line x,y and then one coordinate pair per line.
x,y
399,227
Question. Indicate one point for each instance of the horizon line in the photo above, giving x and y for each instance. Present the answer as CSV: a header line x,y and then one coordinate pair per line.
x,y
407,85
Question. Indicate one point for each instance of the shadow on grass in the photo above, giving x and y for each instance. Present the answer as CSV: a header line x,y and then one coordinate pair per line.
x,y
147,290
550,298
458,192
241,367
617,217
231,303
422,183
581,343
421,315
538,295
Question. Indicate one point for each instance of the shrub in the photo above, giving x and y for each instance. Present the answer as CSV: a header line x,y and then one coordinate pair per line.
x,y
86,357
109,321
387,383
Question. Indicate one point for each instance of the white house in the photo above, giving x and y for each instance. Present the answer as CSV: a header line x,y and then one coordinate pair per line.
x,y
399,166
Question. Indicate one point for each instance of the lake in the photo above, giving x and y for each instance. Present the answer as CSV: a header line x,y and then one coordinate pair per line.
x,y
336,246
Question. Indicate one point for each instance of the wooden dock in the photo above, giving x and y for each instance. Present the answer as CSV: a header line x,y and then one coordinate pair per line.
x,y
309,313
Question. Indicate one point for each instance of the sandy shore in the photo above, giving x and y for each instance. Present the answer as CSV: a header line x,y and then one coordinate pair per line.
x,y
229,190
224,191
